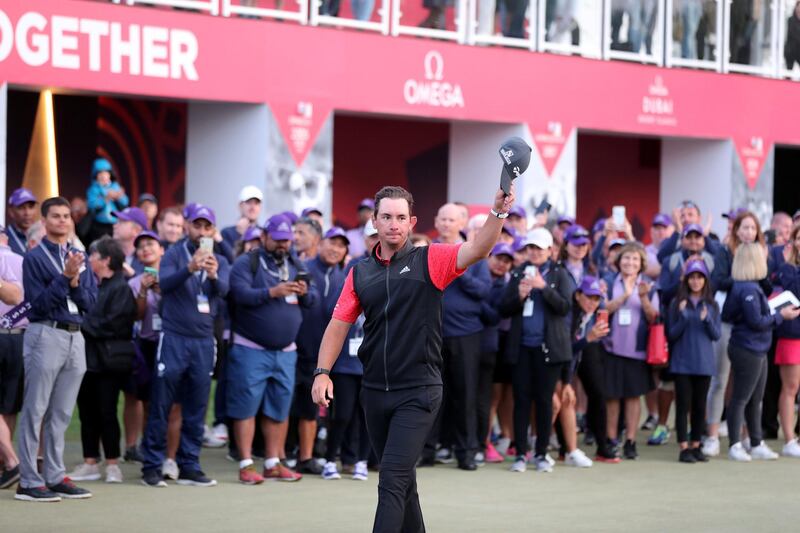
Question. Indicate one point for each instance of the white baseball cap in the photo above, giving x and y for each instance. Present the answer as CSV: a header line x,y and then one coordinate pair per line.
x,y
369,229
539,237
250,192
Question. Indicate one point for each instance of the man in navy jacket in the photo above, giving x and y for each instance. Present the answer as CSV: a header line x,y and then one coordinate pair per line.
x,y
60,288
267,295
193,280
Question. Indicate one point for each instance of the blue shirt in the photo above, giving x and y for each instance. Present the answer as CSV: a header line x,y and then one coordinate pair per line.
x,y
691,340
180,289
462,302
47,289
102,207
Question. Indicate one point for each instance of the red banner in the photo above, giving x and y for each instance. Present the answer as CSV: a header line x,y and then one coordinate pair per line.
x,y
549,140
753,151
107,48
300,123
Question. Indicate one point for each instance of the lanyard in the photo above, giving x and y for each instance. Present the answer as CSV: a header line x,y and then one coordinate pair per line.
x,y
282,274
60,268
201,274
17,240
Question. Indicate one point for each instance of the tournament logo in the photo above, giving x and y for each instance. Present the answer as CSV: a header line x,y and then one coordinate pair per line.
x,y
433,90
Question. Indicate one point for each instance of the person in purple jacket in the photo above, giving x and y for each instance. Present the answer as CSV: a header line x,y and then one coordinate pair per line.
x,y
693,326
747,309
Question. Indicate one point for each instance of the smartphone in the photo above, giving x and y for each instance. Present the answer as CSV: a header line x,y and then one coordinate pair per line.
x,y
530,271
152,271
602,316
618,216
302,276
207,244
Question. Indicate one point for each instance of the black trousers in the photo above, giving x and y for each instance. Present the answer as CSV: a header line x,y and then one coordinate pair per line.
x,y
591,370
485,385
690,397
97,408
462,360
346,421
534,381
398,422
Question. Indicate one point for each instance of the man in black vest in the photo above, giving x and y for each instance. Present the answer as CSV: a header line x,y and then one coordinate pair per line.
x,y
399,289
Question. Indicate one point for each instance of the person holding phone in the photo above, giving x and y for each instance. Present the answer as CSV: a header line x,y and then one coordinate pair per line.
x,y
746,308
693,326
268,296
399,288
633,305
589,327
537,298
191,280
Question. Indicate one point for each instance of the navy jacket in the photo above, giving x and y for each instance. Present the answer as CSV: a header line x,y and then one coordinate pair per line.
x,y
788,277
490,316
329,281
747,309
691,340
462,302
180,288
272,323
672,269
17,240
348,363
230,236
47,289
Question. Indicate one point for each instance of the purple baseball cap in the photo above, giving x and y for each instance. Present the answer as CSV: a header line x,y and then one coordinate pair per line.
x,y
367,203
600,225
519,243
616,242
146,234
564,219
662,219
510,230
252,233
590,286
734,213
147,197
502,248
21,196
692,228
203,212
132,214
188,209
279,227
308,210
336,231
695,265
576,235
291,215
518,211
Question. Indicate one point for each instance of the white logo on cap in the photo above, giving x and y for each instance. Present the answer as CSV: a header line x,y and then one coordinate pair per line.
x,y
507,155
283,227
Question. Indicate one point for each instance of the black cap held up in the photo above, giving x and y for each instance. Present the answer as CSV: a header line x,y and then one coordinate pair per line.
x,y
516,156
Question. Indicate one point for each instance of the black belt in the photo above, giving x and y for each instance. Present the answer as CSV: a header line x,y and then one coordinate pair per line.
x,y
12,331
66,326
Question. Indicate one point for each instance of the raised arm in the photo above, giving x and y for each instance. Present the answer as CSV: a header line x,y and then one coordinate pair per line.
x,y
475,250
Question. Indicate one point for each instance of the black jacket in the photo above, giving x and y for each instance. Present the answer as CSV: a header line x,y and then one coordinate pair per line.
x,y
558,300
402,345
111,317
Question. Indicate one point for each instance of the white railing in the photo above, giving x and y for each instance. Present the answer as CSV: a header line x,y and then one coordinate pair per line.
x,y
229,8
459,34
475,22
381,25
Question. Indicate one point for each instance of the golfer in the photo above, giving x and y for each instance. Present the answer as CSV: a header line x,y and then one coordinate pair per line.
x,y
399,290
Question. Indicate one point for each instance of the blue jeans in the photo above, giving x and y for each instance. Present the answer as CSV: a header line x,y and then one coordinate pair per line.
x,y
183,364
691,13
362,9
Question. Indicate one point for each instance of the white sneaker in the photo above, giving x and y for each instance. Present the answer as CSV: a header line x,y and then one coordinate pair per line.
x,y
330,471
85,472
762,452
542,464
746,444
502,445
360,472
578,458
220,431
113,474
170,469
711,447
791,449
738,453
211,441
520,465
723,430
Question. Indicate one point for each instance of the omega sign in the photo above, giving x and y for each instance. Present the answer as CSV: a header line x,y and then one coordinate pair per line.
x,y
433,90
67,42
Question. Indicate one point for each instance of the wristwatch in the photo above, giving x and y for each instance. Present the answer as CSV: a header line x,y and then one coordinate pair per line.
x,y
498,215
318,371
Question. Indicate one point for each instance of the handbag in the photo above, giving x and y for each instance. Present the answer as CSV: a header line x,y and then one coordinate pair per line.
x,y
657,349
117,355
